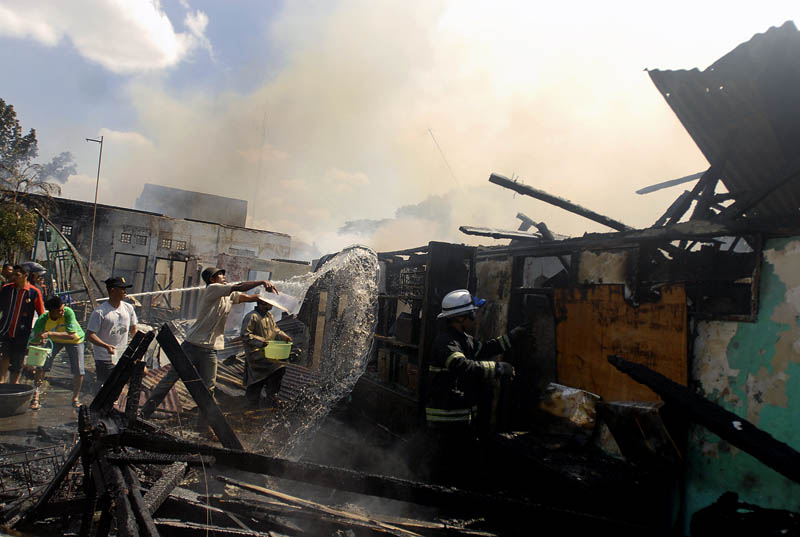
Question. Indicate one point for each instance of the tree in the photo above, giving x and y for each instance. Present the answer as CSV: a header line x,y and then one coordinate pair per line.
x,y
20,175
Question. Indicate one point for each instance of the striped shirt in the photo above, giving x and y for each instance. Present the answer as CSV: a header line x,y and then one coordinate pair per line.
x,y
17,307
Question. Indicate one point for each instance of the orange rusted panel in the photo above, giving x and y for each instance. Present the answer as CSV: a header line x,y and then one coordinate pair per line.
x,y
593,322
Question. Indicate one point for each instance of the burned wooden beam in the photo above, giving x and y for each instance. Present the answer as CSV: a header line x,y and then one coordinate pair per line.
x,y
558,202
119,376
545,232
498,233
526,222
671,182
85,431
118,491
140,511
730,427
158,458
191,379
408,251
548,236
134,391
160,490
696,229
199,509
280,510
337,478
676,209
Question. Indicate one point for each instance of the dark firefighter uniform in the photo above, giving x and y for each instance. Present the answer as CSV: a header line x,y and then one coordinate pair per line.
x,y
458,367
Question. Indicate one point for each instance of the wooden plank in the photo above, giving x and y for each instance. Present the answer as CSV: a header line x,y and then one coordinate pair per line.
x,y
593,322
729,426
191,379
389,528
558,202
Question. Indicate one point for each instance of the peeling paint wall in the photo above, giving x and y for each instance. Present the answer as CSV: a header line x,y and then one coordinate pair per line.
x,y
752,369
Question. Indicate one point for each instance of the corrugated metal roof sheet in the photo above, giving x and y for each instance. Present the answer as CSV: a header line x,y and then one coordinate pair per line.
x,y
229,380
750,96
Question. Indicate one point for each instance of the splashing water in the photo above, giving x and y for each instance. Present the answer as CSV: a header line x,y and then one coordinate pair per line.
x,y
350,280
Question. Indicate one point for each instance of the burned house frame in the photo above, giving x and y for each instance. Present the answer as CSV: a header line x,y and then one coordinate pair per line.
x,y
647,295
616,314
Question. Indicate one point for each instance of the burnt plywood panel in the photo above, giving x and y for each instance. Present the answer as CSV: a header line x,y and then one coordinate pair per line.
x,y
593,322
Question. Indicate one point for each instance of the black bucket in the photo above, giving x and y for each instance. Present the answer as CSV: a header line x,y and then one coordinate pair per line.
x,y
14,398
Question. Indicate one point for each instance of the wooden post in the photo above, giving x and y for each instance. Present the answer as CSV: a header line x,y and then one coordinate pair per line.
x,y
191,379
112,387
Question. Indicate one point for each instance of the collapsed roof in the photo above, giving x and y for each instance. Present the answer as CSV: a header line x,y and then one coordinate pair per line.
x,y
743,112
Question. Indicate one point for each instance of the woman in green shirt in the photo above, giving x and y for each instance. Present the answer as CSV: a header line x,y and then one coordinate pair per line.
x,y
58,325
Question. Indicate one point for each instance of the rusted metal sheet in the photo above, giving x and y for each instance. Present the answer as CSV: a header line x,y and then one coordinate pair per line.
x,y
594,322
751,94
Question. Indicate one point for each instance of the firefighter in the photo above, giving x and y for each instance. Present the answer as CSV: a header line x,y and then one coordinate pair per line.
x,y
459,369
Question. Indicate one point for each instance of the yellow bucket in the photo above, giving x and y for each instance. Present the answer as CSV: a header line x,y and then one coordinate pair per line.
x,y
37,356
277,350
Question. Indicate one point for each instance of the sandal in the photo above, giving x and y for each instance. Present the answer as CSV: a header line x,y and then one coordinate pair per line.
x,y
76,403
35,402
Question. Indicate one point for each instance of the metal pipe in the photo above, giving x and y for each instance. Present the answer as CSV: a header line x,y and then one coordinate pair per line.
x,y
94,213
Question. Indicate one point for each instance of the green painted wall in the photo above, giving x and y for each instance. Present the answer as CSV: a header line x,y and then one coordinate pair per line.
x,y
753,370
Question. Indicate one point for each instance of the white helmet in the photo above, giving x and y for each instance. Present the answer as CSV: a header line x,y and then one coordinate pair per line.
x,y
459,302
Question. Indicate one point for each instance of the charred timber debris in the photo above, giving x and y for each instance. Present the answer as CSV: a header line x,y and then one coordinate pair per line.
x,y
131,473
727,425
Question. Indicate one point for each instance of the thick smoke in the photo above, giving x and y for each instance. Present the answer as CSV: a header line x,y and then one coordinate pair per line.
x,y
340,131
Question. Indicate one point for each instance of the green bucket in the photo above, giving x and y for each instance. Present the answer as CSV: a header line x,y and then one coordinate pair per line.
x,y
277,350
37,356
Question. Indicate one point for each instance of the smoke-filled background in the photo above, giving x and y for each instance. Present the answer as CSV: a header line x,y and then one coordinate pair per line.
x,y
368,121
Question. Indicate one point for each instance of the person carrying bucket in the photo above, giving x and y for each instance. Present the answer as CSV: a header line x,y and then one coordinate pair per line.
x,y
206,336
262,371
62,329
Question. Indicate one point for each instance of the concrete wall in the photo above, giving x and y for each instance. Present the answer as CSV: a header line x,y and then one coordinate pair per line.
x,y
752,369
189,239
179,203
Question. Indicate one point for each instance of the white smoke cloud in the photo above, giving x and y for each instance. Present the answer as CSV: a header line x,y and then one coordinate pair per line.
x,y
557,98
124,37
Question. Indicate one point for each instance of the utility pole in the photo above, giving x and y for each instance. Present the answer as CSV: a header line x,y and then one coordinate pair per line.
x,y
94,214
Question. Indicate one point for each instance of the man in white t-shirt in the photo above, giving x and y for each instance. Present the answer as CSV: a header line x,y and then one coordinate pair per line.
x,y
207,334
109,327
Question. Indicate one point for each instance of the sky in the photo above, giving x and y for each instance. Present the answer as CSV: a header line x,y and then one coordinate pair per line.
x,y
320,113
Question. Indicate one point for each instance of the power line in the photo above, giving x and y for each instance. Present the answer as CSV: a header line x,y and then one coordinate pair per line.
x,y
453,175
